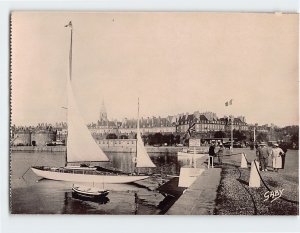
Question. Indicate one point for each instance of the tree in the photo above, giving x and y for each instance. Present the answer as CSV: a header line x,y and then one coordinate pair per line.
x,y
262,137
219,134
177,139
123,137
111,136
158,138
295,138
239,135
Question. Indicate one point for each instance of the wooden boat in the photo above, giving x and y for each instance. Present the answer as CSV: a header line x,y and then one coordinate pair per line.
x,y
82,148
89,192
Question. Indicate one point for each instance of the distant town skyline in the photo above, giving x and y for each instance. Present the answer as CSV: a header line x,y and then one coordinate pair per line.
x,y
174,62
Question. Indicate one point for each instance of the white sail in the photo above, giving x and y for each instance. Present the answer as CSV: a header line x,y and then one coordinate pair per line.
x,y
80,144
142,157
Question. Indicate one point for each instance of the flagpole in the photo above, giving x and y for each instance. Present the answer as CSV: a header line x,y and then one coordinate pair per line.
x,y
227,104
254,135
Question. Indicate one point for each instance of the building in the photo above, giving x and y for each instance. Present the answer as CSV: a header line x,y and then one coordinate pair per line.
x,y
127,127
208,121
22,137
33,136
149,125
204,122
42,137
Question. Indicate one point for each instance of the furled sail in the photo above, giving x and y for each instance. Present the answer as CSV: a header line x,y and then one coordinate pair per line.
x,y
80,144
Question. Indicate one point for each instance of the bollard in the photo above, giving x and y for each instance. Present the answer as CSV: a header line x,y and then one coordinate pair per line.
x,y
243,161
210,163
254,180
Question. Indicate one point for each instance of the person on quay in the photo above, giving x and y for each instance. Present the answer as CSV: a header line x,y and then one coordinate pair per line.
x,y
284,148
276,154
220,153
263,155
211,152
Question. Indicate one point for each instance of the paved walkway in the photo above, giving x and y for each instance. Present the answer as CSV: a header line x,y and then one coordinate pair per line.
x,y
199,198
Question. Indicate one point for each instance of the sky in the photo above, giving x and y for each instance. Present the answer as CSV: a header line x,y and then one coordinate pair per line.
x,y
173,62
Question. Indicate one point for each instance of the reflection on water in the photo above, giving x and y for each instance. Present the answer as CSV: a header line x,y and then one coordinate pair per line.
x,y
32,195
99,200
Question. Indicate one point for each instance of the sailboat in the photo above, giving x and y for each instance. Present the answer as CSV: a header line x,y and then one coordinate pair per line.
x,y
81,147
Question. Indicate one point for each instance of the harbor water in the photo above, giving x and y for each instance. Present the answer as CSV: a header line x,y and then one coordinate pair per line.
x,y
30,194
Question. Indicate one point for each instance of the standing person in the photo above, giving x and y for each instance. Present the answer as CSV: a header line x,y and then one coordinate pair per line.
x,y
263,155
220,153
276,157
211,153
284,148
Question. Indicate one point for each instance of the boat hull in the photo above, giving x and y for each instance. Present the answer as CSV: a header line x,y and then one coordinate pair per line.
x,y
82,193
96,178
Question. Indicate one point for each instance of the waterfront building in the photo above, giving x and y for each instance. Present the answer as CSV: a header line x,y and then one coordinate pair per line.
x,y
204,122
127,127
33,136
42,137
208,121
149,125
21,138
106,143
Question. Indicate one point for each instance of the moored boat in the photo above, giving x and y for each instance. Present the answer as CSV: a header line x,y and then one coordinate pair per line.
x,y
89,192
82,148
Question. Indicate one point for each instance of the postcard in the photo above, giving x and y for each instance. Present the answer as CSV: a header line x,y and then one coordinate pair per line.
x,y
154,113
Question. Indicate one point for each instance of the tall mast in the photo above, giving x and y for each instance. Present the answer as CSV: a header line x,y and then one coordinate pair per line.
x,y
138,116
70,51
137,132
70,67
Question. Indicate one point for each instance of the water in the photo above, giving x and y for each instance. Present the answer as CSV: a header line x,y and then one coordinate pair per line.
x,y
31,195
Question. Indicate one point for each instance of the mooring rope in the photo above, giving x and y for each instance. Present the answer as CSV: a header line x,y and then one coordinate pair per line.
x,y
246,189
264,183
246,158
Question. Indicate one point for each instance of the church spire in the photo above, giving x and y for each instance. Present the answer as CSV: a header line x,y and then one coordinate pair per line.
x,y
103,113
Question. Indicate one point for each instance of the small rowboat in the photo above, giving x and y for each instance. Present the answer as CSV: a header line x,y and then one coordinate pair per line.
x,y
89,192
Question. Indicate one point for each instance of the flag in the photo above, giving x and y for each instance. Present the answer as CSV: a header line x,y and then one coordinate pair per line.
x,y
228,103
69,24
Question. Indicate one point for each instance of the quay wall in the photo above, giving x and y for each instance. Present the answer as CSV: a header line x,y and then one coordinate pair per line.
x,y
150,149
199,198
39,148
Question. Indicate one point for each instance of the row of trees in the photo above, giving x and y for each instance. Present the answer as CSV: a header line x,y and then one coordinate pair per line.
x,y
240,136
152,139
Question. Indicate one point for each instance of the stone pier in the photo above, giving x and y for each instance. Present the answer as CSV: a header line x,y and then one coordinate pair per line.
x,y
199,198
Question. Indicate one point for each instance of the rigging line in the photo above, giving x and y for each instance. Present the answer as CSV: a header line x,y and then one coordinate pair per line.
x,y
30,167
283,198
